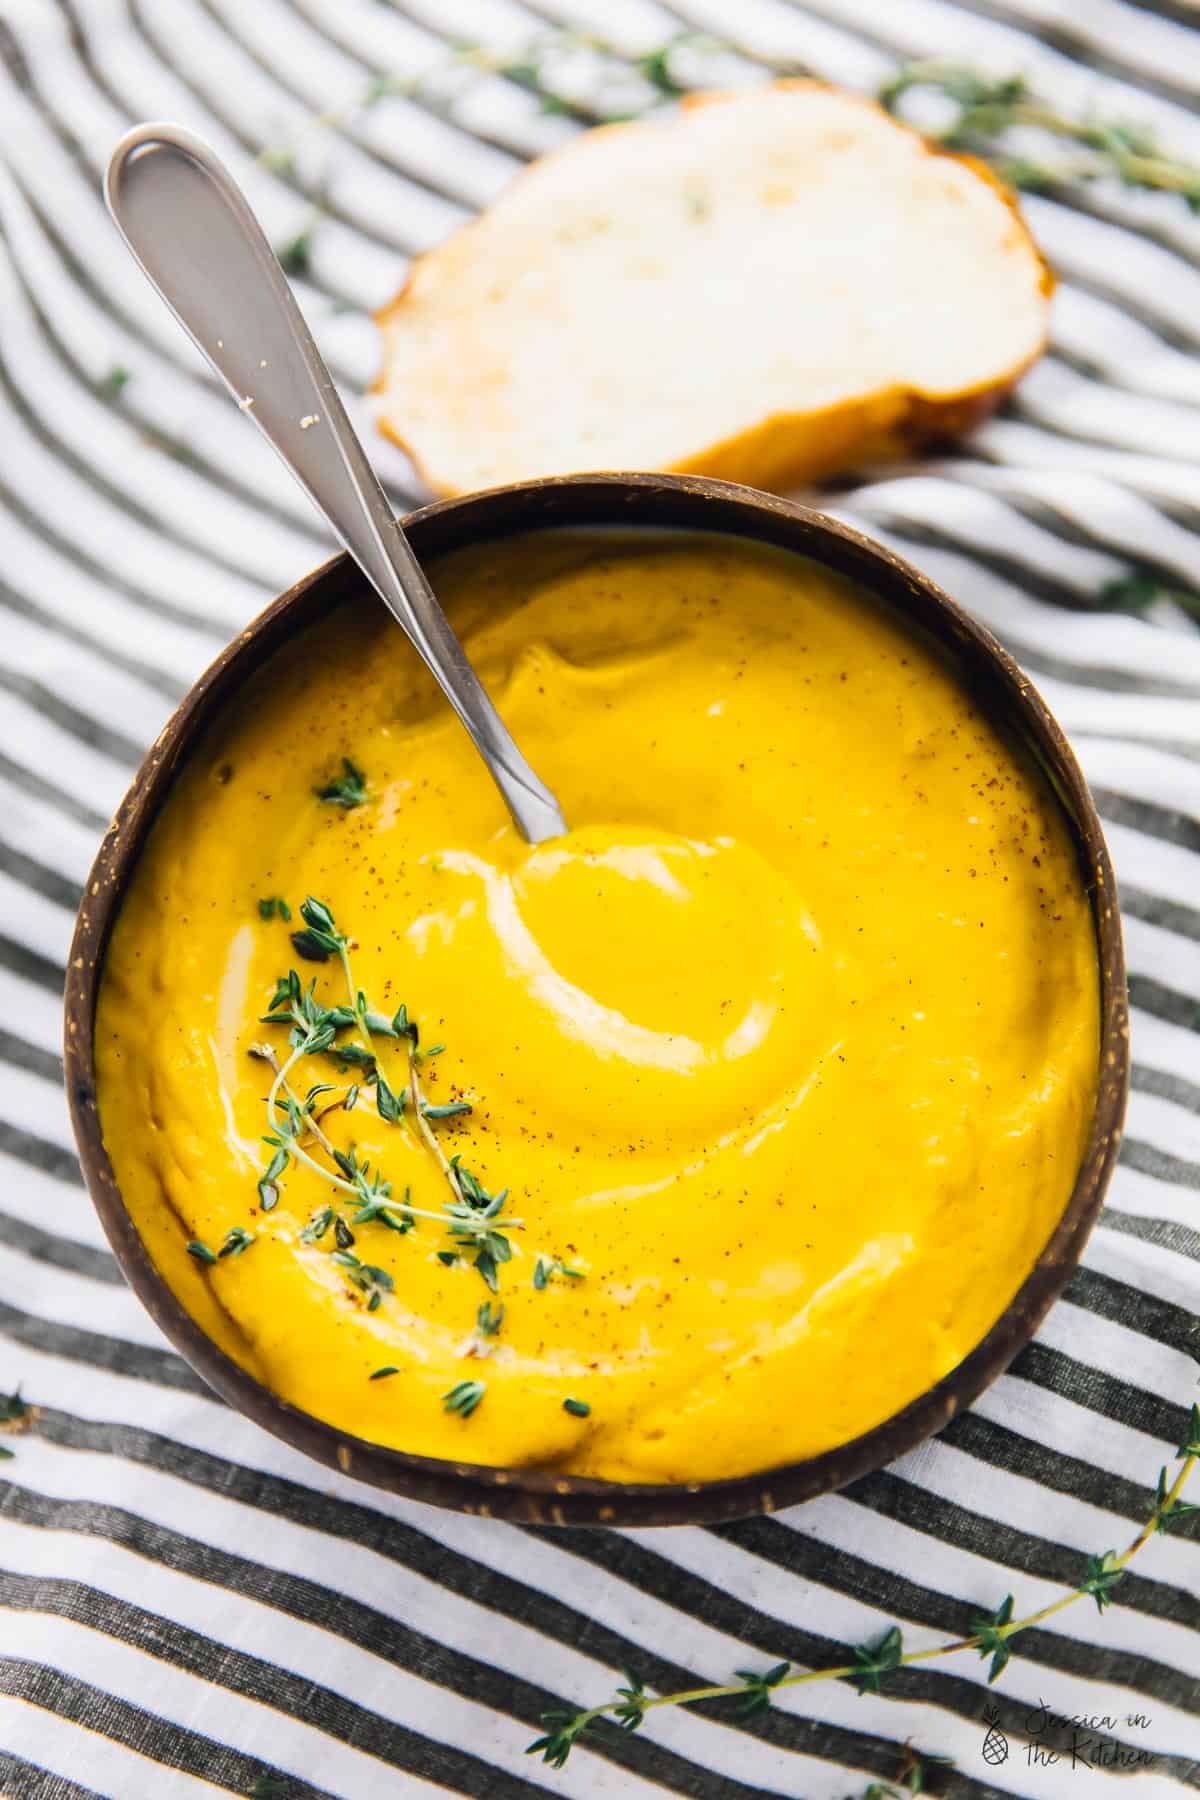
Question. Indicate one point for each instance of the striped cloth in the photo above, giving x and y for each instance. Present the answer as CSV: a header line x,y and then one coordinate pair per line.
x,y
189,1608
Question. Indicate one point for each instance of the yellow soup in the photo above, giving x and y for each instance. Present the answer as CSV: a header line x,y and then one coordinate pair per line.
x,y
783,1060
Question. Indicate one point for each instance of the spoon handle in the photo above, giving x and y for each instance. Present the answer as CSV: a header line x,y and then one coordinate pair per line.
x,y
191,229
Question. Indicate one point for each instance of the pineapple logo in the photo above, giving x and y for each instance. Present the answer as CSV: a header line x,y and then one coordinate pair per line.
x,y
995,1744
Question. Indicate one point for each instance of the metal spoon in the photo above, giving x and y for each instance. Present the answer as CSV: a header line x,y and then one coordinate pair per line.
x,y
191,229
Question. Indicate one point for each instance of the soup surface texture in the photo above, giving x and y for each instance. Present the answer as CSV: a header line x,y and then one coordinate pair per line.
x,y
785,1056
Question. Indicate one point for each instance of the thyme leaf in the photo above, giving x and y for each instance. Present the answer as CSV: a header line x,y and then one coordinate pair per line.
x,y
473,1217
992,1633
369,1280
1103,1574
317,1226
563,1731
630,1709
390,1106
1169,1509
295,256
1141,589
321,938
874,1660
348,790
13,1410
464,1397
269,1787
546,1267
757,1687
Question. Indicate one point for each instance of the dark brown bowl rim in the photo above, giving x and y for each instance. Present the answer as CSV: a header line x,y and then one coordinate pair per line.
x,y
536,1495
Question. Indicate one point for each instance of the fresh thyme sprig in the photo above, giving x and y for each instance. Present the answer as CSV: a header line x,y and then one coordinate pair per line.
x,y
616,86
986,109
457,1178
302,1116
356,1175
470,1220
472,1213
317,942
991,1637
621,87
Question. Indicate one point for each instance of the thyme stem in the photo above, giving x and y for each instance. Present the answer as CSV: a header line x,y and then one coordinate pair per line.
x,y
630,1704
301,1155
470,1215
423,1128
988,107
268,1056
281,1081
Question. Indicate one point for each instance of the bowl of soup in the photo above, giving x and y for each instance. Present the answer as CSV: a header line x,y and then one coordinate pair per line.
x,y
689,1165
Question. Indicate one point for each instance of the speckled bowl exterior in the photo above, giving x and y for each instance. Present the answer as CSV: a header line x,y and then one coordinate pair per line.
x,y
688,503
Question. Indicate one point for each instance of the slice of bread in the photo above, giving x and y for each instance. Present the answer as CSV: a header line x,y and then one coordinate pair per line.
x,y
770,286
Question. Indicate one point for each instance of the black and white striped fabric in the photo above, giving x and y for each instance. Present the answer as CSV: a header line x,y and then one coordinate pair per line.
x,y
186,1607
